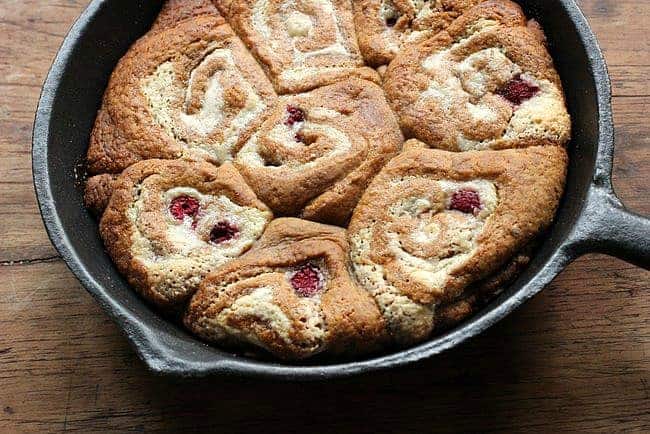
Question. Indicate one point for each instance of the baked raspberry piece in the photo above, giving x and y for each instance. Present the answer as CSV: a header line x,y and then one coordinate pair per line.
x,y
306,281
467,201
223,231
184,206
295,115
518,91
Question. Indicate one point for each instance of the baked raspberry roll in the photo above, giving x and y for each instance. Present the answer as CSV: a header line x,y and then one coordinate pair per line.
x,y
383,26
433,222
171,222
487,82
191,90
317,151
292,296
302,44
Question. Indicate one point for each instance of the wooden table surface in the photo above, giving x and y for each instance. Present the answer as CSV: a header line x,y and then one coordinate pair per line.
x,y
575,358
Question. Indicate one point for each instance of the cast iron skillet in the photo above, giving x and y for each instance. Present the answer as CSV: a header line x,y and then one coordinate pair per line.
x,y
591,218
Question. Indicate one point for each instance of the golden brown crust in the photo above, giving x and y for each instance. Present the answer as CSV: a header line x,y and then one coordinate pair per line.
x,y
175,11
504,12
164,258
430,251
319,167
301,45
255,300
478,295
487,82
384,26
162,99
98,192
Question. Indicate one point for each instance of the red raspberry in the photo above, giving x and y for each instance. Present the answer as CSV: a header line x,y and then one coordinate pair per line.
x,y
518,90
184,206
222,232
307,281
295,115
467,201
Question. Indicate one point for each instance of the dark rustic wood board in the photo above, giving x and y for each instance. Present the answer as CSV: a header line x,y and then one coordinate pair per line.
x,y
574,359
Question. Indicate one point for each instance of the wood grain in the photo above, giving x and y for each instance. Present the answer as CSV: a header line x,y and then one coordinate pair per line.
x,y
574,359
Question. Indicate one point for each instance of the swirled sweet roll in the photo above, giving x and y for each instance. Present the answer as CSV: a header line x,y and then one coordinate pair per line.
x,y
292,296
487,82
191,90
317,151
171,222
302,44
383,26
433,222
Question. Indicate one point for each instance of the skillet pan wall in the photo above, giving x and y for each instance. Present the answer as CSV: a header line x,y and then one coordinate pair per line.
x,y
590,218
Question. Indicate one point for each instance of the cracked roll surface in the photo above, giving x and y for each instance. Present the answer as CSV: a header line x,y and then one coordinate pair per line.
x,y
292,295
384,26
317,151
302,44
433,222
487,82
171,222
190,90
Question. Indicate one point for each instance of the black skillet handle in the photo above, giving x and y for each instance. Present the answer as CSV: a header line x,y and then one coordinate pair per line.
x,y
608,227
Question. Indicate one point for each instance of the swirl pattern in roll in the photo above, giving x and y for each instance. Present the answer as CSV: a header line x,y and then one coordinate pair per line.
x,y
433,222
317,151
487,82
171,222
292,296
384,26
302,44
189,89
